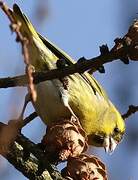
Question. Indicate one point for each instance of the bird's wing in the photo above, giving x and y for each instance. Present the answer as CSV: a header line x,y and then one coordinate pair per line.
x,y
86,76
28,29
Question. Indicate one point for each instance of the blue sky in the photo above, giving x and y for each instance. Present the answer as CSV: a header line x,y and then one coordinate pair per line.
x,y
79,28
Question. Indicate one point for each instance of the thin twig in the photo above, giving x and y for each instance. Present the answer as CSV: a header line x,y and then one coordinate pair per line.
x,y
15,27
131,110
79,67
29,118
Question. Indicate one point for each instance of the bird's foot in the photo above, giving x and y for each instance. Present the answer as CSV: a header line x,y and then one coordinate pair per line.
x,y
26,101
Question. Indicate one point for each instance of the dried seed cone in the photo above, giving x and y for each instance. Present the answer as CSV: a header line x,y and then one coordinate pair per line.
x,y
85,167
64,139
132,39
129,43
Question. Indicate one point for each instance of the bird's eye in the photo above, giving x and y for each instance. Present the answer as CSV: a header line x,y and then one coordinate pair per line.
x,y
116,130
98,139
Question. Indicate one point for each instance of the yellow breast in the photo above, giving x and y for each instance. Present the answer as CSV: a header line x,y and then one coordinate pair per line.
x,y
85,103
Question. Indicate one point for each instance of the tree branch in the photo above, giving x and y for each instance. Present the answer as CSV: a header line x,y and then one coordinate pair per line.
x,y
28,158
56,73
125,49
79,67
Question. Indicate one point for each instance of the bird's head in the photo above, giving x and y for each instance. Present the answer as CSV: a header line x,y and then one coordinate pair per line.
x,y
110,131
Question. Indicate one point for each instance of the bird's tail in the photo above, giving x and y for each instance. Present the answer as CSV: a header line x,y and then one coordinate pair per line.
x,y
40,56
26,28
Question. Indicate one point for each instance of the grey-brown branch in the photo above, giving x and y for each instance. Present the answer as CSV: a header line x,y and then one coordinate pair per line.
x,y
27,157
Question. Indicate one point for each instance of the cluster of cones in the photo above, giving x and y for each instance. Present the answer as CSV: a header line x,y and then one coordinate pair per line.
x,y
67,141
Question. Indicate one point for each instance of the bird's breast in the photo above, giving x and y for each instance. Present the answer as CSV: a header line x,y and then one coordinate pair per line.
x,y
86,105
48,104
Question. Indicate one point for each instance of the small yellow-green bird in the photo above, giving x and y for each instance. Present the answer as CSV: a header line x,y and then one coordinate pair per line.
x,y
84,98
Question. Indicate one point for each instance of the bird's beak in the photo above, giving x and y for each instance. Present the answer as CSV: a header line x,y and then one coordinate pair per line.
x,y
109,144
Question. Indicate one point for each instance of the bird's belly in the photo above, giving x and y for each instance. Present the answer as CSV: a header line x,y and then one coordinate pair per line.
x,y
86,105
48,104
